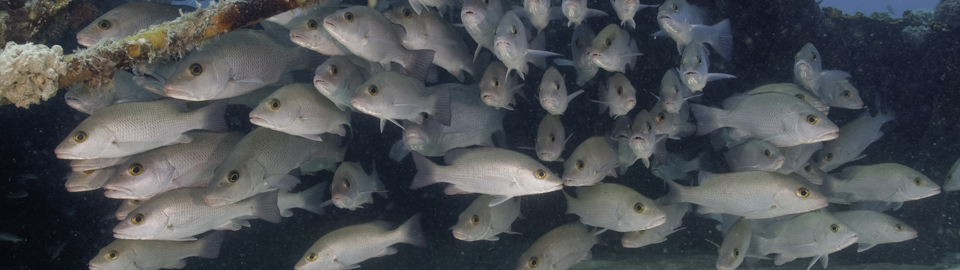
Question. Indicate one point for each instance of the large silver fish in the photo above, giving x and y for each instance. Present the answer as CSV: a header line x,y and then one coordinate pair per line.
x,y
614,50
125,20
346,247
87,99
684,23
391,96
790,89
480,18
511,47
553,92
779,119
427,30
352,186
754,155
339,77
592,160
308,31
559,248
615,207
132,128
154,254
875,228
577,11
482,222
370,36
855,137
627,9
813,234
888,182
298,109
694,62
658,234
551,138
751,194
498,87
618,95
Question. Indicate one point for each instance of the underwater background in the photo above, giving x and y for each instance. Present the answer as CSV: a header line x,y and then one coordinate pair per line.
x,y
909,67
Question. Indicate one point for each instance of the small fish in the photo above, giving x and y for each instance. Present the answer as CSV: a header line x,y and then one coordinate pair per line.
x,y
88,99
582,54
627,9
813,234
352,186
614,50
642,143
797,158
672,125
510,46
751,194
736,241
473,124
480,18
308,32
620,96
391,95
540,13
180,214
298,109
125,20
153,254
658,234
551,138
486,170
673,92
755,155
90,179
836,91
482,222
953,178
310,199
371,37
684,24
789,89
427,30
694,62
497,88
127,206
346,247
592,160
131,128
875,228
339,76
778,119
857,135
807,67
888,182
615,207
559,248
79,165
576,11
553,92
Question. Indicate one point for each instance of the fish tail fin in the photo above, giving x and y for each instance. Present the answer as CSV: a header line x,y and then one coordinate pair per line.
x,y
378,182
708,119
399,151
211,117
426,171
571,204
720,38
313,198
634,52
441,109
411,232
632,24
675,195
265,206
419,66
209,246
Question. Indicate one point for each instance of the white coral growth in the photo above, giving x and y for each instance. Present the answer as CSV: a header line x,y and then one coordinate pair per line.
x,y
29,73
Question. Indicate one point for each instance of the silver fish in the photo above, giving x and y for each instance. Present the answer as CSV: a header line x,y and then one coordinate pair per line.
x,y
127,206
576,11
581,49
672,125
813,234
736,241
888,182
779,119
797,159
592,160
180,214
131,128
473,124
620,96
87,99
857,135
673,92
807,67
953,178
615,207
676,167
486,170
551,138
684,24
308,31
553,92
642,142
789,89
90,179
327,155
346,247
837,91
694,62
427,30
352,186
339,77
540,13
79,165
125,20
482,222
627,9
155,254
391,95
310,199
751,194
614,50
375,39
443,5
497,88
755,155
674,219
559,248
510,46
480,18
875,228
298,109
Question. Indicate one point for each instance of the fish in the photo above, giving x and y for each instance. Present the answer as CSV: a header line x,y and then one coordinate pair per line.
x,y
127,206
497,88
797,158
855,137
391,95
874,228
327,154
750,194
551,138
793,90
676,167
582,54
684,23
90,179
953,178
238,63
339,77
540,13
837,91
375,39
755,155
620,96
422,5
673,92
308,32
125,20
672,125
88,99
592,160
627,9
778,119
155,254
427,30
474,124
576,11
553,92
807,67
132,128
735,244
888,182
79,165
480,18
813,234
642,142
559,248
346,247
352,187
482,222
258,163
674,219
180,214
310,199
299,109
614,50
694,62
510,46
502,173
171,167
615,207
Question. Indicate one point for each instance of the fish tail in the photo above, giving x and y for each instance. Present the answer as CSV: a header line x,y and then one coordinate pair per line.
x,y
722,39
411,233
571,203
265,206
398,151
426,171
441,109
675,195
209,246
380,188
708,119
211,118
313,198
419,66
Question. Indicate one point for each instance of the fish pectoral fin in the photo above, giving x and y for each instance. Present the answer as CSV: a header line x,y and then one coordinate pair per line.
x,y
233,225
177,265
719,76
387,251
861,247
498,199
781,259
453,190
395,123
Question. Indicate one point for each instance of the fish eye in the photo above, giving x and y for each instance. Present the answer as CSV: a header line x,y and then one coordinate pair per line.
x,y
801,96
834,228
195,69
496,83
135,169
736,252
808,168
639,208
91,171
136,202
898,227
828,157
80,136
475,219
620,90
113,255
812,119
766,153
486,2
533,262
814,56
846,93
373,90
514,31
580,165
699,61
233,176
274,104
553,138
676,8
104,24
138,219
803,192
607,42
312,257
660,117
649,127
540,174
333,71
918,181
348,16
312,25
346,183
406,13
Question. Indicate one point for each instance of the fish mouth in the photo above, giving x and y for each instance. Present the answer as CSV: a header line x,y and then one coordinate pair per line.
x,y
181,94
829,135
260,121
931,193
118,192
629,244
120,235
460,235
85,41
659,221
570,182
499,43
96,267
331,28
65,155
690,74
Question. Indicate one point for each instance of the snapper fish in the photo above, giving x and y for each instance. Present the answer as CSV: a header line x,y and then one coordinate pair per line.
x,y
627,9
308,31
560,248
694,62
576,11
553,92
776,118
372,37
511,47
391,96
684,23
540,13
427,30
498,87
483,222
299,109
125,20
155,254
480,18
614,50
582,54
346,247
